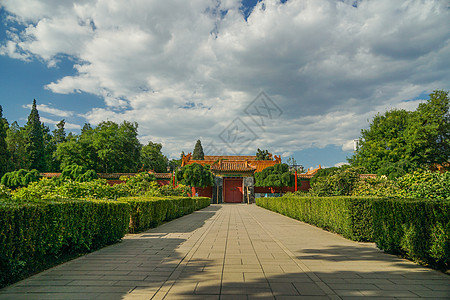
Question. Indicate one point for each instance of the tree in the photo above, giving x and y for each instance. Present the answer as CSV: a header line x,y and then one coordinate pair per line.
x,y
275,176
399,141
34,141
339,182
109,147
263,155
428,132
198,151
15,139
4,155
59,134
153,159
195,175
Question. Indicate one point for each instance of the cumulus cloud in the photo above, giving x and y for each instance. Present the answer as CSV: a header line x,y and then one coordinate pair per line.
x,y
186,70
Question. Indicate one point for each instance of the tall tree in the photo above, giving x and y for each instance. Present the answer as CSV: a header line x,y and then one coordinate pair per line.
x,y
4,155
34,138
59,134
153,159
15,139
198,151
399,141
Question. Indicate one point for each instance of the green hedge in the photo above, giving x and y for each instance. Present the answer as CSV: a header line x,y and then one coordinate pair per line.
x,y
148,212
349,216
36,234
417,229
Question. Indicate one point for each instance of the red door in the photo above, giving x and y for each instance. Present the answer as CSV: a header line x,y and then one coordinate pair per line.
x,y
233,190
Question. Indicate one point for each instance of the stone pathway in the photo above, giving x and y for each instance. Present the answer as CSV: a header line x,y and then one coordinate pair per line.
x,y
235,251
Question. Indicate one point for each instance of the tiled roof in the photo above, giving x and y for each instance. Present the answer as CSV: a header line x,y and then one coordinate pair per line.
x,y
235,162
50,175
233,166
362,176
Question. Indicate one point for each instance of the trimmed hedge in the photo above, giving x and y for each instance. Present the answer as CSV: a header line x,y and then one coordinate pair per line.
x,y
148,212
417,229
349,216
36,234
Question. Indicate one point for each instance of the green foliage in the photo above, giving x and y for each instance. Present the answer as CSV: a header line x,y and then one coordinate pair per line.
x,y
34,141
148,212
15,139
399,141
323,173
4,155
418,229
153,159
340,182
169,190
275,176
424,184
77,173
5,193
19,178
109,147
35,235
139,184
198,151
263,155
349,216
195,175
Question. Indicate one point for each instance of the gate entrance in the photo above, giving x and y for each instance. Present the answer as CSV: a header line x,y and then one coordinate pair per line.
x,y
232,190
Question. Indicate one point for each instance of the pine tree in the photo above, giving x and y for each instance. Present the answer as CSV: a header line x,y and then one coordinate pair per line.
x,y
35,141
198,151
59,134
4,157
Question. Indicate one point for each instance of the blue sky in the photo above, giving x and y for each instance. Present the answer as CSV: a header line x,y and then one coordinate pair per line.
x,y
192,70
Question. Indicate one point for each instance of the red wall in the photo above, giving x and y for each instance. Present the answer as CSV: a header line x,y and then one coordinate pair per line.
x,y
203,192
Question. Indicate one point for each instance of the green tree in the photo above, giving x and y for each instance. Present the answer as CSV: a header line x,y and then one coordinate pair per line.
x,y
398,141
339,182
428,132
263,155
4,155
34,141
153,159
198,151
195,175
59,134
275,176
15,139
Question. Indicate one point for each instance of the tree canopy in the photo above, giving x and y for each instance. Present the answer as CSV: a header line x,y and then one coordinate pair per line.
x,y
399,141
275,176
263,155
198,151
153,159
4,157
195,175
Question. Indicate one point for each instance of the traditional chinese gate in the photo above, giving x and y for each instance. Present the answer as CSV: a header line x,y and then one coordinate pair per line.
x,y
232,190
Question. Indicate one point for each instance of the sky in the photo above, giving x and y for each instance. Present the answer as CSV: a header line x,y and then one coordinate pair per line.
x,y
300,78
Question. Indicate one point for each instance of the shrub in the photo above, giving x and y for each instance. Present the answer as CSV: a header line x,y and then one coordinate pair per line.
x,y
148,212
19,178
37,234
340,182
5,193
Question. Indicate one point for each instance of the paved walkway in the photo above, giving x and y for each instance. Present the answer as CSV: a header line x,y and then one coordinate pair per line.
x,y
237,252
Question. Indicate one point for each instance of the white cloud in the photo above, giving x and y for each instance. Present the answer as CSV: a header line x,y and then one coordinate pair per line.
x,y
53,111
54,122
186,70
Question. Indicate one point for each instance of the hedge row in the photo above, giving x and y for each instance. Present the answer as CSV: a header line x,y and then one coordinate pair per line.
x,y
151,212
35,235
348,216
417,229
